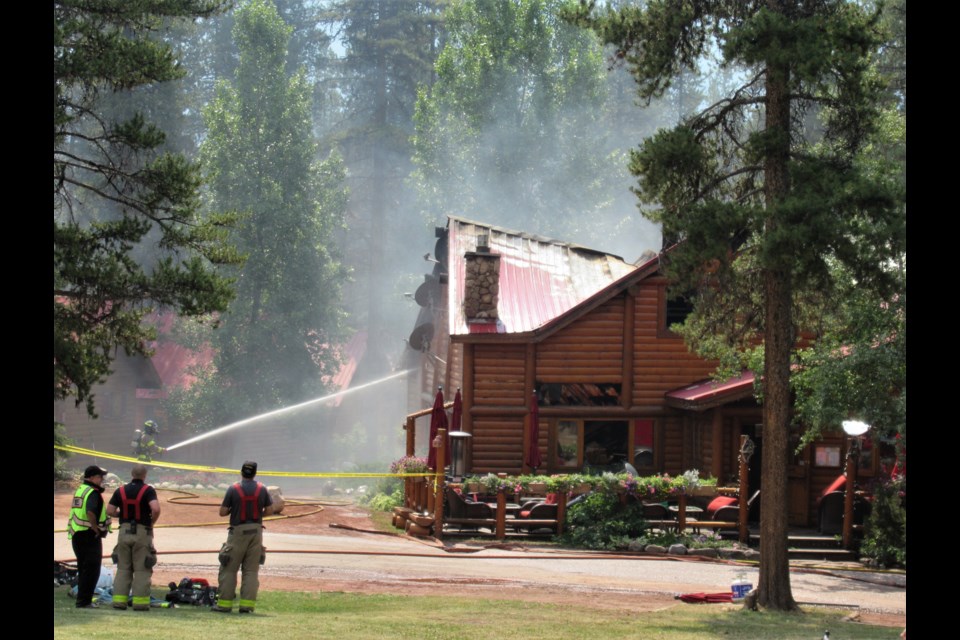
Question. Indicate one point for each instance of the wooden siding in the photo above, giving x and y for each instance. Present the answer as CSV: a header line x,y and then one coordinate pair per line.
x,y
588,350
454,369
499,375
672,447
497,445
119,411
661,364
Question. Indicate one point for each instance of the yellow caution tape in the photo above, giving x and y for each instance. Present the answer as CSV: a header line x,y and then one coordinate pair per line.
x,y
211,469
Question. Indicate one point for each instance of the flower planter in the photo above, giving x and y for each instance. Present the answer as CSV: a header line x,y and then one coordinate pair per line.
x,y
706,491
538,487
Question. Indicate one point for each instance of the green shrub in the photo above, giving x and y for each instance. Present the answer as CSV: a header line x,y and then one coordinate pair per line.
x,y
386,502
600,521
885,531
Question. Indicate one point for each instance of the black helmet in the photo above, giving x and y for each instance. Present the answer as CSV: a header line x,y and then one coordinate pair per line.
x,y
150,427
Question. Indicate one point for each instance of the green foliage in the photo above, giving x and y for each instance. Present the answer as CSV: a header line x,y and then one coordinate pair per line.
x,y
765,194
386,501
515,117
60,471
858,368
885,531
600,521
128,236
276,345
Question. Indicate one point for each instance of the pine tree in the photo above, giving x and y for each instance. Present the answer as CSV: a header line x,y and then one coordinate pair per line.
x,y
276,343
115,191
390,46
764,192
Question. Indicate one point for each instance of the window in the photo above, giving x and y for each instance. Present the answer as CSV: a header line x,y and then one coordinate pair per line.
x,y
674,309
581,394
568,444
677,310
825,455
594,445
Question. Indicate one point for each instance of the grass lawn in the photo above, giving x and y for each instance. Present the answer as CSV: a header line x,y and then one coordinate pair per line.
x,y
291,616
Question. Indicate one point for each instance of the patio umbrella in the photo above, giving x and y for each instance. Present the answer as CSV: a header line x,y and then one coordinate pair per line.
x,y
533,450
457,416
438,420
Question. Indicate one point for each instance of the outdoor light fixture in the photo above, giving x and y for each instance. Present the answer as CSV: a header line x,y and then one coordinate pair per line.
x,y
855,427
458,459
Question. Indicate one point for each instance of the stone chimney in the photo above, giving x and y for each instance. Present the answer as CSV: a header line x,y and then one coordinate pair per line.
x,y
481,283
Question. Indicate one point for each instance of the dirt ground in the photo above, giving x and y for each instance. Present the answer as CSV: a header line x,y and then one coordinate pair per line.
x,y
308,516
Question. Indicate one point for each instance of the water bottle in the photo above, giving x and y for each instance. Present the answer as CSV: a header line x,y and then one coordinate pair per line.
x,y
740,587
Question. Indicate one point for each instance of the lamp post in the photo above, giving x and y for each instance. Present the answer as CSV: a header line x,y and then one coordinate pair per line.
x,y
854,430
458,446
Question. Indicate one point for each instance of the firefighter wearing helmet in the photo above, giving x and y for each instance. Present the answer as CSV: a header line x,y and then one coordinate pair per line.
x,y
145,445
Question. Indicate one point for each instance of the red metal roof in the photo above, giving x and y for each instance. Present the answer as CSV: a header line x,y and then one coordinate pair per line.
x,y
174,362
540,278
350,356
710,393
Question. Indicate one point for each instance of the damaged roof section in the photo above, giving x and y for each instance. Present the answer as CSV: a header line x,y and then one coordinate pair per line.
x,y
539,278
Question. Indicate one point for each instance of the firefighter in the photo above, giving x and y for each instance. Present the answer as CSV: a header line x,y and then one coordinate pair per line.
x,y
145,445
87,527
246,502
137,507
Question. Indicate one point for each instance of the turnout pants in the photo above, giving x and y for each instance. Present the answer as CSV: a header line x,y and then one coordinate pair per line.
x,y
242,551
134,549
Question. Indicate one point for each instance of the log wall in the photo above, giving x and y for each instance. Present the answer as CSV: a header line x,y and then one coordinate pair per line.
x,y
498,372
661,362
588,350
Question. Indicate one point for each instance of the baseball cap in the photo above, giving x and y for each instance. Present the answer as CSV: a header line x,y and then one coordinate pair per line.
x,y
94,470
249,469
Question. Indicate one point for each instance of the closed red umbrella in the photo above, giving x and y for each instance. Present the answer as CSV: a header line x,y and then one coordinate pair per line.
x,y
533,449
457,416
438,420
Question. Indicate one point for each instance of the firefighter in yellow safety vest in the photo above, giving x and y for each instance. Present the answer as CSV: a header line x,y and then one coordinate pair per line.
x,y
87,527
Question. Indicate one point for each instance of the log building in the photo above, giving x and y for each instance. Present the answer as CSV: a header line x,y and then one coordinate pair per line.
x,y
506,312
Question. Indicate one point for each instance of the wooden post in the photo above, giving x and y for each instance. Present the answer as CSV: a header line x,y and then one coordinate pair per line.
x,y
501,532
851,473
438,485
717,444
682,514
561,511
744,488
440,444
410,426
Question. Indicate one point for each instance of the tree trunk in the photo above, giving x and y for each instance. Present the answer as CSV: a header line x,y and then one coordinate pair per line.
x,y
774,583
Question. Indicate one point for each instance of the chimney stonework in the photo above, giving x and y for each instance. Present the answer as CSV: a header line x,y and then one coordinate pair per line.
x,y
481,286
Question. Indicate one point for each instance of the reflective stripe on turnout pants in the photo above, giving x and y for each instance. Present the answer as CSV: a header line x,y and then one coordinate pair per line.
x,y
244,547
133,549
